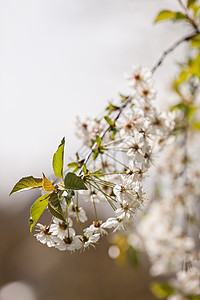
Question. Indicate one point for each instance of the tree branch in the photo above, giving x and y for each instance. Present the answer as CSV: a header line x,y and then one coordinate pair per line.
x,y
103,133
158,63
172,48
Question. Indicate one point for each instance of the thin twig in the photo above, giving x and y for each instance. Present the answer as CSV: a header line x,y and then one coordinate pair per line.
x,y
190,19
103,133
172,48
158,63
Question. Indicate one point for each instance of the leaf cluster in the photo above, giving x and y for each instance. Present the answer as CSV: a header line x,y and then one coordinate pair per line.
x,y
51,199
189,14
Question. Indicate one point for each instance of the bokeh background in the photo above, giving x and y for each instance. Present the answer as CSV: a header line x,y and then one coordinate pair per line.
x,y
60,59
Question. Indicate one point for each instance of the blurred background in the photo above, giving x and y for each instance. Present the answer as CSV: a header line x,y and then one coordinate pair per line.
x,y
60,59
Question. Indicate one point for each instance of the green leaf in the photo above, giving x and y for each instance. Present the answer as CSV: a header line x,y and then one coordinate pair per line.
x,y
188,109
123,98
195,66
73,165
181,106
196,10
190,3
195,41
47,185
77,156
76,165
196,125
133,256
179,16
55,207
165,15
196,297
58,160
95,154
98,172
183,76
110,108
98,141
27,183
73,182
85,171
37,209
108,120
161,290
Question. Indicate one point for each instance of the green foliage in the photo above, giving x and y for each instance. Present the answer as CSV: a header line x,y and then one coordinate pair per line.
x,y
191,3
109,121
76,165
47,185
189,70
55,207
195,41
189,110
73,165
183,76
179,16
73,182
99,149
58,160
98,141
85,170
133,256
196,297
110,108
37,209
123,98
165,15
196,125
194,66
95,154
161,290
97,173
195,10
27,183
112,126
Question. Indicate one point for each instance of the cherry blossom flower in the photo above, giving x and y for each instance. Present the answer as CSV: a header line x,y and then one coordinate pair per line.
x,y
44,236
62,229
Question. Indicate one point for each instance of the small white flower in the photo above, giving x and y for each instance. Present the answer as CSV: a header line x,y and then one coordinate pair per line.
x,y
96,227
62,229
134,145
110,223
130,121
146,92
88,239
138,76
44,236
187,282
129,191
69,243
117,223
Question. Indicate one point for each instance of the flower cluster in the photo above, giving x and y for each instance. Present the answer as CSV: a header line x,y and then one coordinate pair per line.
x,y
118,149
168,230
123,143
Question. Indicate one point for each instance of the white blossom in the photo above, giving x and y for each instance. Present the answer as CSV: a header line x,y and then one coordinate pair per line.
x,y
44,236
